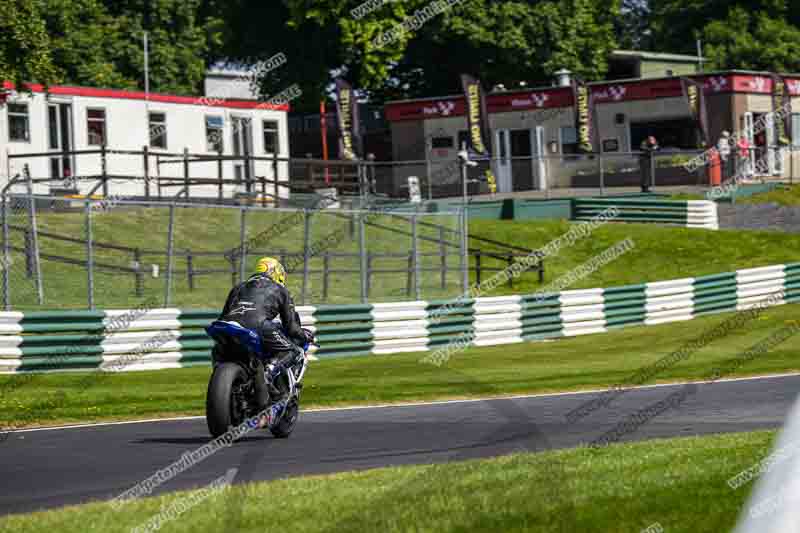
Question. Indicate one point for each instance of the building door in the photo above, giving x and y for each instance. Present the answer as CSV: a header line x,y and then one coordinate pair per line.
x,y
749,134
539,162
59,133
243,147
774,152
522,160
502,162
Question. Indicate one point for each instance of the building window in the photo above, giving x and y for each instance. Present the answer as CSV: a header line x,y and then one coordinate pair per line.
x,y
796,130
442,142
18,124
463,139
158,130
569,140
96,126
214,137
271,144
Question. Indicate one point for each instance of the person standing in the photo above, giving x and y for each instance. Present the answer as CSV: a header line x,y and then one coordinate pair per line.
x,y
648,146
743,155
724,149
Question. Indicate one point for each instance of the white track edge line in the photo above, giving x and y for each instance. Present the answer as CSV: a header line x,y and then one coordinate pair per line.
x,y
418,404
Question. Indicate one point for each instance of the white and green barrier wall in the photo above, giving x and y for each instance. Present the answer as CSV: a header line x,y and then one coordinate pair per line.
x,y
147,339
689,213
643,208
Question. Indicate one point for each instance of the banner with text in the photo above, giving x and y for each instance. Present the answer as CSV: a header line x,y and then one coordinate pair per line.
x,y
584,115
347,112
478,123
781,99
693,92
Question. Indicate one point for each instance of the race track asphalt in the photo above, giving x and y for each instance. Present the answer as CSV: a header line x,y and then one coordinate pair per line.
x,y
46,468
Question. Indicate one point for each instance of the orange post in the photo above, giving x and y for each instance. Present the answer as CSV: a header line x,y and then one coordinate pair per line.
x,y
324,129
714,168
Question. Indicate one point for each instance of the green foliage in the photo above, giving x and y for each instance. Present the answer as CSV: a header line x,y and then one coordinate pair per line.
x,y
754,41
25,44
99,42
508,41
737,34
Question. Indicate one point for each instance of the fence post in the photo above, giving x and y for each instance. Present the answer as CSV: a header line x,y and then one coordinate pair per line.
x,y
170,245
325,271
362,248
306,252
477,267
104,169
369,273
409,277
190,269
242,243
602,174
37,265
89,255
28,254
146,155
443,257
186,171
158,174
464,250
137,260
275,178
510,262
219,176
415,249
6,256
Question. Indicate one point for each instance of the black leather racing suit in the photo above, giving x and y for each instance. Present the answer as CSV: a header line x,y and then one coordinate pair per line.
x,y
254,304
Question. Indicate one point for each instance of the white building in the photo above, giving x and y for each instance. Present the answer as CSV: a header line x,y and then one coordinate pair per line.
x,y
81,118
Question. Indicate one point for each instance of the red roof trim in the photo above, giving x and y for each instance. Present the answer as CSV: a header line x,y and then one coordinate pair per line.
x,y
603,93
93,92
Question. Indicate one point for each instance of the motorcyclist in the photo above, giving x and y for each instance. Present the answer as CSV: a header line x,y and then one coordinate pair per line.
x,y
254,304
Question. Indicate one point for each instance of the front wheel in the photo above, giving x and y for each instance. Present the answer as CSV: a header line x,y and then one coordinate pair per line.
x,y
286,424
225,400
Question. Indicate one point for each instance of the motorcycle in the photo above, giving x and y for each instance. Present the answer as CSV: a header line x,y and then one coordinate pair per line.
x,y
231,396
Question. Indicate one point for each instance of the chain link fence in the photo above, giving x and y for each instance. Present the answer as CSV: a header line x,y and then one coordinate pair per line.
x,y
567,175
86,253
21,261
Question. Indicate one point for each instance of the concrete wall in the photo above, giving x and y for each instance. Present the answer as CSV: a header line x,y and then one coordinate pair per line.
x,y
127,128
658,69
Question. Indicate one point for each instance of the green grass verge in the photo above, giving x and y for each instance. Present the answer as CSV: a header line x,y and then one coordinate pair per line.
x,y
678,483
661,253
784,195
687,196
584,362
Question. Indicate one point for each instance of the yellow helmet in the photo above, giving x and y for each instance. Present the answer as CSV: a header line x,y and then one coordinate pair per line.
x,y
273,269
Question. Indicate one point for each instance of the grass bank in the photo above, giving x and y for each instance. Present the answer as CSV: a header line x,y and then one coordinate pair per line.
x,y
660,253
677,483
585,362
785,195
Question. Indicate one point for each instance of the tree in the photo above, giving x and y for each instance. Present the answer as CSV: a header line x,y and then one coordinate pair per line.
x,y
753,41
25,45
747,34
501,41
180,41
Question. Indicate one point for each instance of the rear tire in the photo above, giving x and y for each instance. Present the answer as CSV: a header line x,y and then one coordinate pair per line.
x,y
285,426
222,411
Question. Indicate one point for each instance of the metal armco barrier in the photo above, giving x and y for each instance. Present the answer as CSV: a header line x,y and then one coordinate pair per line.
x,y
689,213
148,339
